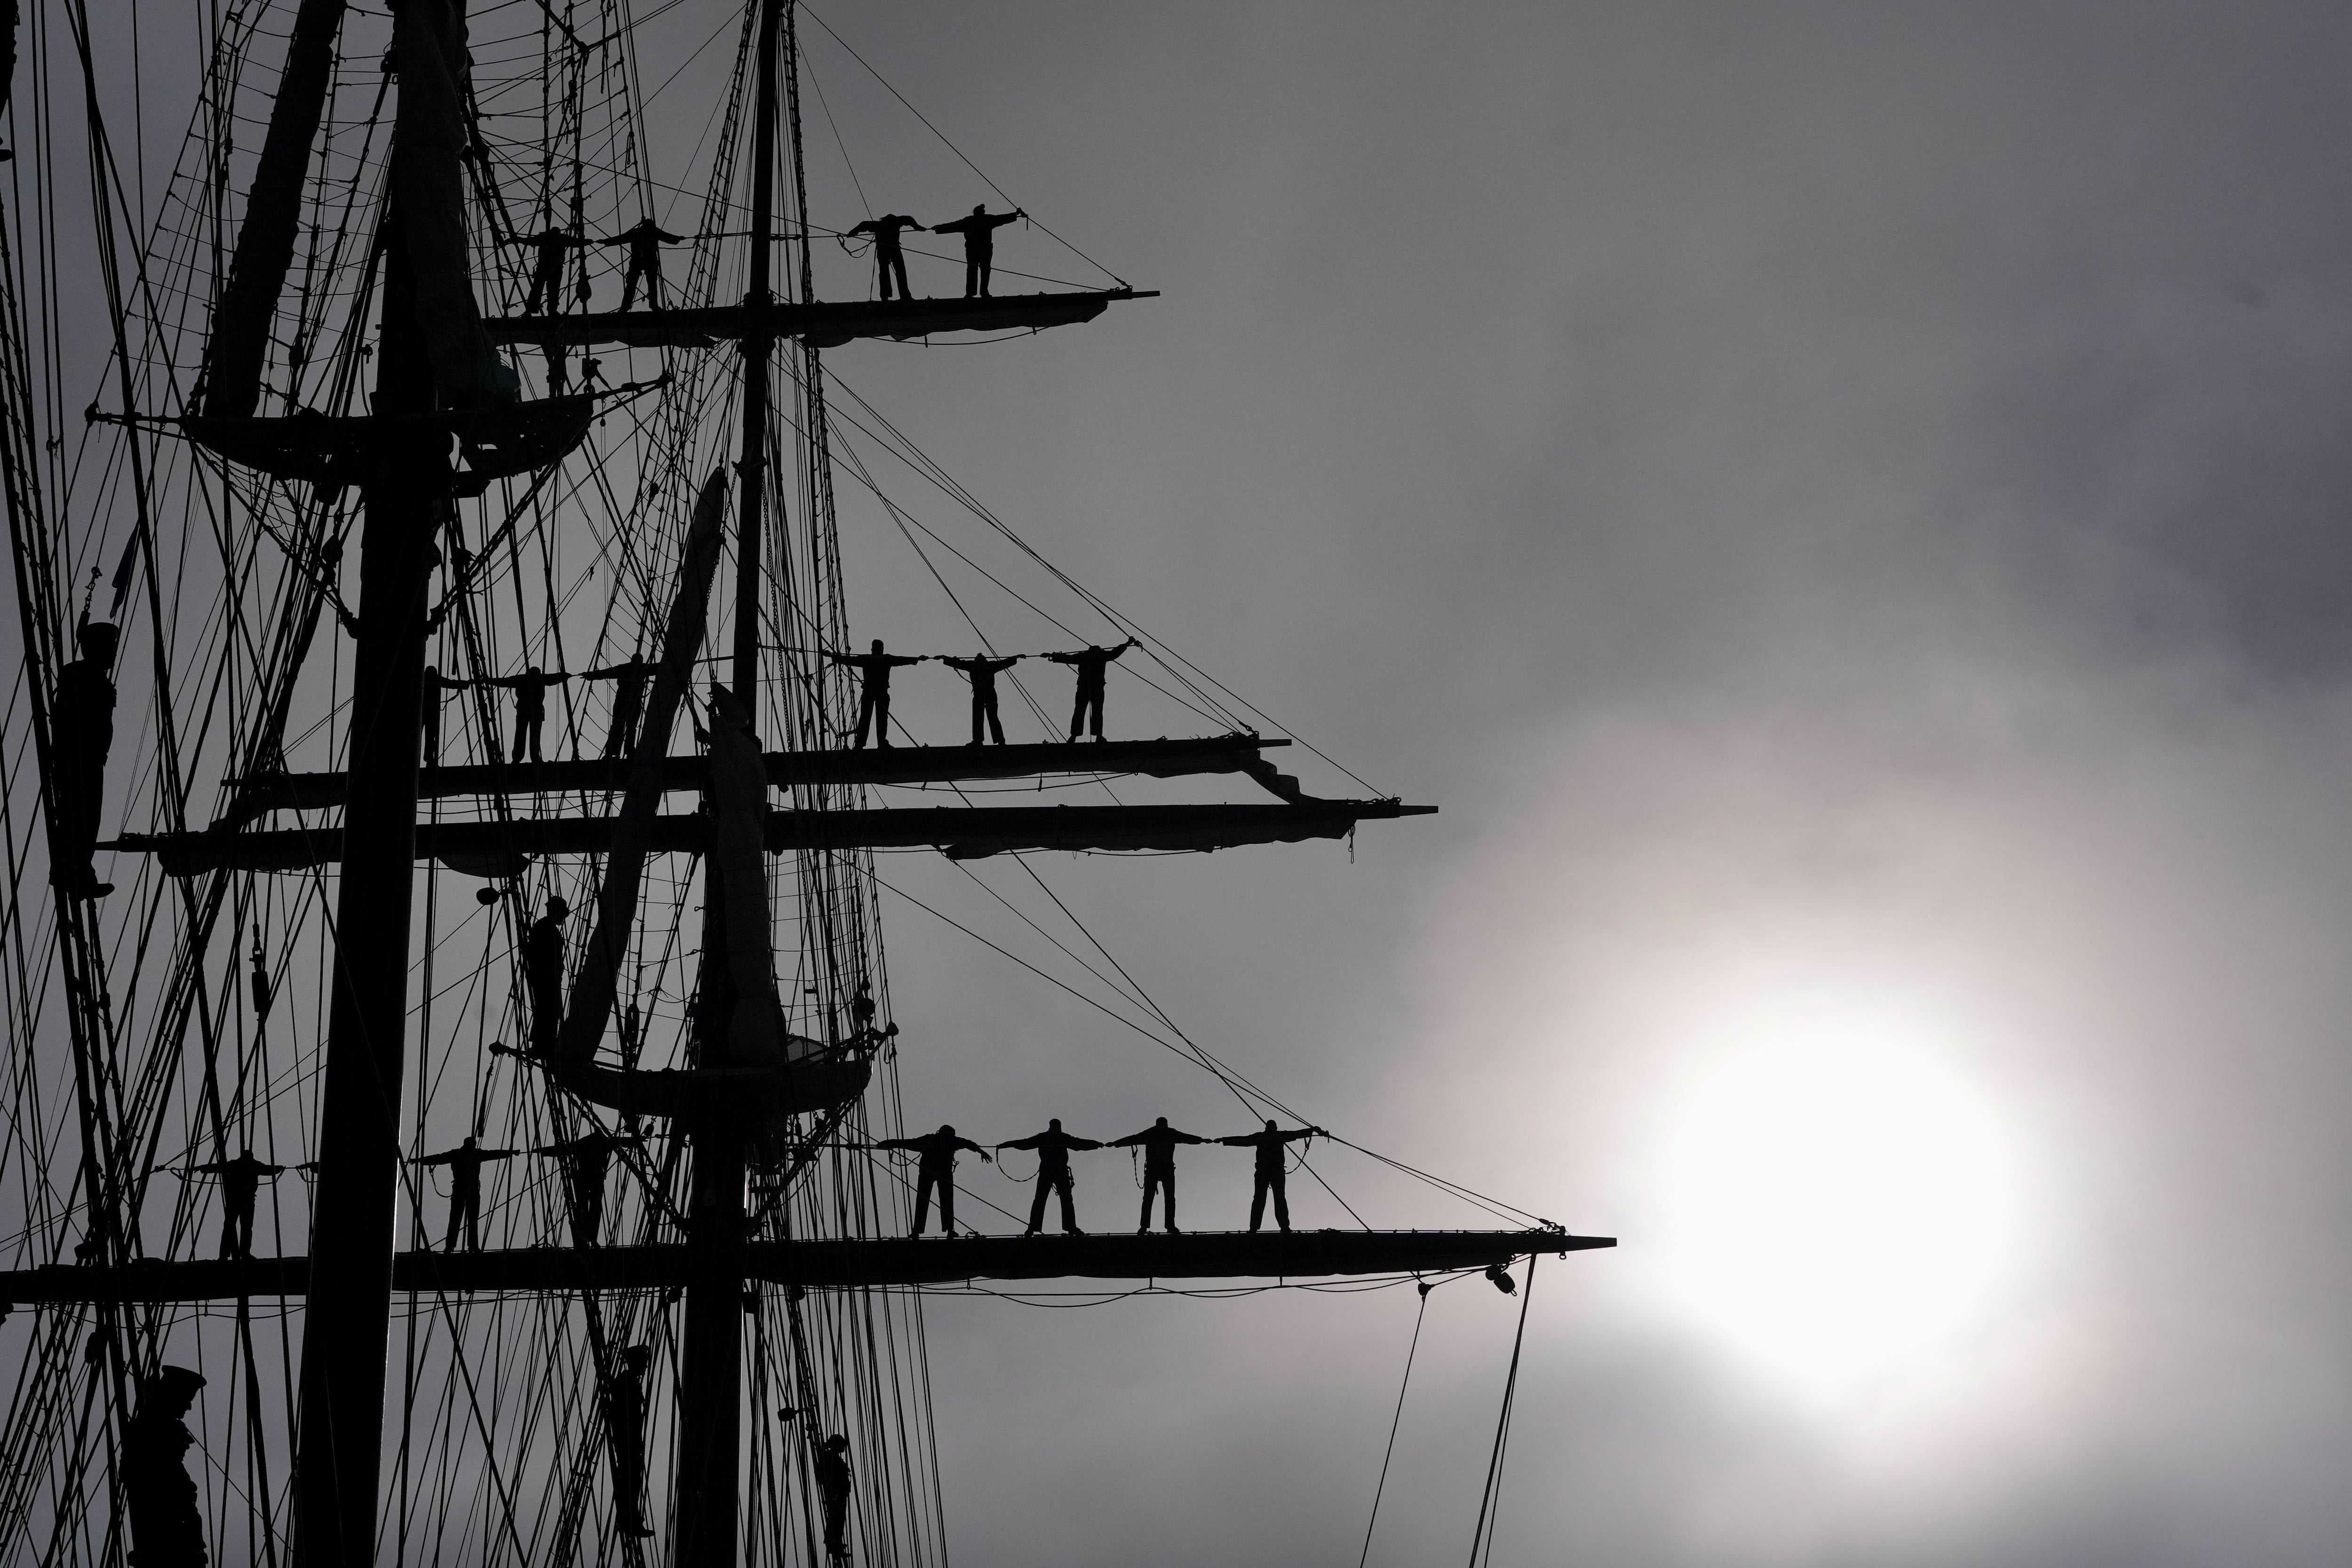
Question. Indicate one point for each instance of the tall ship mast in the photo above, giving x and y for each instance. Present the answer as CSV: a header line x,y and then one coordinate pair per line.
x,y
455,1083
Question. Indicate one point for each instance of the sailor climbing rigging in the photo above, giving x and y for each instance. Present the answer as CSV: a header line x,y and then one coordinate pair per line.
x,y
625,1429
167,1527
82,732
628,678
873,689
530,706
542,974
935,1172
1054,1146
1090,662
241,1182
464,1162
548,247
979,232
645,239
1158,1143
585,1162
888,258
982,671
1272,1172
832,1464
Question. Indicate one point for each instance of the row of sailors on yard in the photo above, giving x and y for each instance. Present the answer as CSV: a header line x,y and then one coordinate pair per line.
x,y
585,1163
631,677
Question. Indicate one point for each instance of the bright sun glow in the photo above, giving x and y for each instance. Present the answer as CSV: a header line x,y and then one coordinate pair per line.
x,y
1840,1202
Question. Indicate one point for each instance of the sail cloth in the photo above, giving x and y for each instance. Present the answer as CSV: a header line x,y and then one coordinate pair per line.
x,y
590,1004
429,180
964,832
497,441
821,324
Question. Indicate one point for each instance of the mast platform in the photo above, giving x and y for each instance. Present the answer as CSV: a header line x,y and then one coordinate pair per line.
x,y
828,1265
1160,758
820,324
963,833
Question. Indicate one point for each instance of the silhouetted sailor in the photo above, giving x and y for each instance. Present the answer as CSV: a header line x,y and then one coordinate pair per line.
x,y
645,239
559,374
1158,1143
585,1163
861,1008
530,706
466,1161
833,1492
1272,1172
887,257
982,671
542,972
935,1172
548,249
167,1529
1090,662
263,994
81,729
240,1184
979,233
628,679
624,1429
438,688
1053,1146
873,688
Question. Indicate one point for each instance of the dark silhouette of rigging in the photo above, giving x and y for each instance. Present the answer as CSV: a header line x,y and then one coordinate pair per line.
x,y
1158,1143
240,1184
982,671
81,719
645,239
935,1172
979,233
464,1162
1053,1146
1272,1172
1091,662
888,258
873,689
167,1529
542,974
436,690
625,1429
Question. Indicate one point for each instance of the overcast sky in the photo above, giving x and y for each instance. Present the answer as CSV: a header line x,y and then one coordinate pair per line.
x,y
1840,507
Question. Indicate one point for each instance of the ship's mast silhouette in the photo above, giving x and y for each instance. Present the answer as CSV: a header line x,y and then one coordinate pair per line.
x,y
439,386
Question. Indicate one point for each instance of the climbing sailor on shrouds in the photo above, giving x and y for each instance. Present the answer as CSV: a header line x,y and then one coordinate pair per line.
x,y
1158,1143
585,1163
542,974
530,706
982,671
241,1182
167,1527
833,1491
889,258
628,678
1090,662
548,249
1272,1174
464,1162
979,233
624,1429
935,1171
1053,1146
873,689
438,688
82,729
645,239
